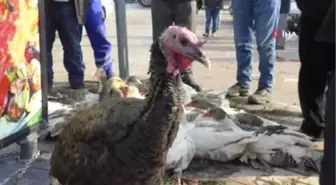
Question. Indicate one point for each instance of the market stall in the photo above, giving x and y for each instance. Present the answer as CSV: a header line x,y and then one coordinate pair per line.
x,y
23,102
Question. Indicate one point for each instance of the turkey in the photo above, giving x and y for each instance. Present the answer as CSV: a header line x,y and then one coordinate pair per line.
x,y
124,141
60,114
280,146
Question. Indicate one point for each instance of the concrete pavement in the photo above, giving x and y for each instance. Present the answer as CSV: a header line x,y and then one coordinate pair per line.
x,y
220,50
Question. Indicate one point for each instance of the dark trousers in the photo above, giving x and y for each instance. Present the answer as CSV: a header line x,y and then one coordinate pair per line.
x,y
212,14
168,13
328,162
317,62
61,17
96,30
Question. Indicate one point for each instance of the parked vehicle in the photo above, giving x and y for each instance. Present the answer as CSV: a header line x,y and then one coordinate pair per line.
x,y
108,7
145,3
293,18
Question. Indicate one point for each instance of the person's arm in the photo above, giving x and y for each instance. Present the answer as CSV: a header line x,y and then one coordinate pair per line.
x,y
199,4
326,32
299,4
221,4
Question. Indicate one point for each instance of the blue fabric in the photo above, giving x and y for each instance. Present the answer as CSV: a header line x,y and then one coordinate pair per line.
x,y
212,15
261,17
285,6
96,31
62,18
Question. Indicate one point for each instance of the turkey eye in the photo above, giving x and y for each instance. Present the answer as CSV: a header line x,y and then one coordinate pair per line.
x,y
184,41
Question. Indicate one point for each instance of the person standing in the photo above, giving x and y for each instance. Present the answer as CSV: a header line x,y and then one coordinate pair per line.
x,y
96,30
326,34
212,14
317,62
284,10
61,16
175,12
261,17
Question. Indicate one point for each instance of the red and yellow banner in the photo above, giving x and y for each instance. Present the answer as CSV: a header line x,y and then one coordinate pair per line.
x,y
20,85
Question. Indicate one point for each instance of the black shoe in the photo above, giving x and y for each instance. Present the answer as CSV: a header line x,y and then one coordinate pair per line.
x,y
187,78
237,90
315,136
206,34
261,96
77,86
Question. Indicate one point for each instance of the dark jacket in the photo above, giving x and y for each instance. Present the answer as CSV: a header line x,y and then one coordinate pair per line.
x,y
314,9
80,5
285,6
327,31
214,3
177,1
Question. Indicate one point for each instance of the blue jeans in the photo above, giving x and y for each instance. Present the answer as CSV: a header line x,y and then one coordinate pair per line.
x,y
96,31
62,18
212,14
261,17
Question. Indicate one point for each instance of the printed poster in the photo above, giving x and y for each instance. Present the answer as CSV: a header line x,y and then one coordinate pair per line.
x,y
20,70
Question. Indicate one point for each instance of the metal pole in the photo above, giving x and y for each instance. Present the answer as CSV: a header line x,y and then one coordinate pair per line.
x,y
120,16
43,62
28,146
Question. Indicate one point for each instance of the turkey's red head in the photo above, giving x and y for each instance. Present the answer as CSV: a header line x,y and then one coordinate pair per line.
x,y
181,47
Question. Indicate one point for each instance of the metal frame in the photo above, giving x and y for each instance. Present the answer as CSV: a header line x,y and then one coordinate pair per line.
x,y
27,138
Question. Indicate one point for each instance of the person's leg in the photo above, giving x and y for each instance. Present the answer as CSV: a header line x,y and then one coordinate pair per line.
x,y
162,17
96,31
243,30
207,21
265,14
51,24
328,162
72,51
281,39
215,20
185,15
315,60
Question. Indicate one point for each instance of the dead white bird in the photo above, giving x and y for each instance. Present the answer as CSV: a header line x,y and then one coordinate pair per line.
x,y
182,151
279,146
218,138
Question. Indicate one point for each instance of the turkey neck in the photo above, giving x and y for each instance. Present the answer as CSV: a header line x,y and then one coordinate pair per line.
x,y
158,124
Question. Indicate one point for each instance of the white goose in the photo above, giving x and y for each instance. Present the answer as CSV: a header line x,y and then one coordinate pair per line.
x,y
183,149
280,146
217,137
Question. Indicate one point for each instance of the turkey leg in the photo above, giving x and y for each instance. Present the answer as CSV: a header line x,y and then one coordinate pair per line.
x,y
178,180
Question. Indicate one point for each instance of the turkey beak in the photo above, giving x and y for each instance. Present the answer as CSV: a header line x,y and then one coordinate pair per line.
x,y
200,56
208,114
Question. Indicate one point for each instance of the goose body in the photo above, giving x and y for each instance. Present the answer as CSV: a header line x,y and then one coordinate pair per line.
x,y
280,146
183,149
220,145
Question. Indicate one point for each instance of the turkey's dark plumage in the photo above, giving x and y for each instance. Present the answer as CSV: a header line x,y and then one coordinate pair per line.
x,y
122,141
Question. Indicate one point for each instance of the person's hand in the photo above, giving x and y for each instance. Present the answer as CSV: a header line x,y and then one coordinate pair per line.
x,y
98,73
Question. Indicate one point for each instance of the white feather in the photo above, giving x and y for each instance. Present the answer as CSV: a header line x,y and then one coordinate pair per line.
x,y
293,143
183,149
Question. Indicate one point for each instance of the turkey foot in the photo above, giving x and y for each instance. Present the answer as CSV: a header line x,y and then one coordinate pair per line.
x,y
178,180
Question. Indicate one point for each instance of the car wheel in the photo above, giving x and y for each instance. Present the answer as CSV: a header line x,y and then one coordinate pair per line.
x,y
104,13
145,3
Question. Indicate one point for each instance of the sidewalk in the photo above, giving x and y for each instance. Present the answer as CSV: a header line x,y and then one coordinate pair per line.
x,y
220,50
